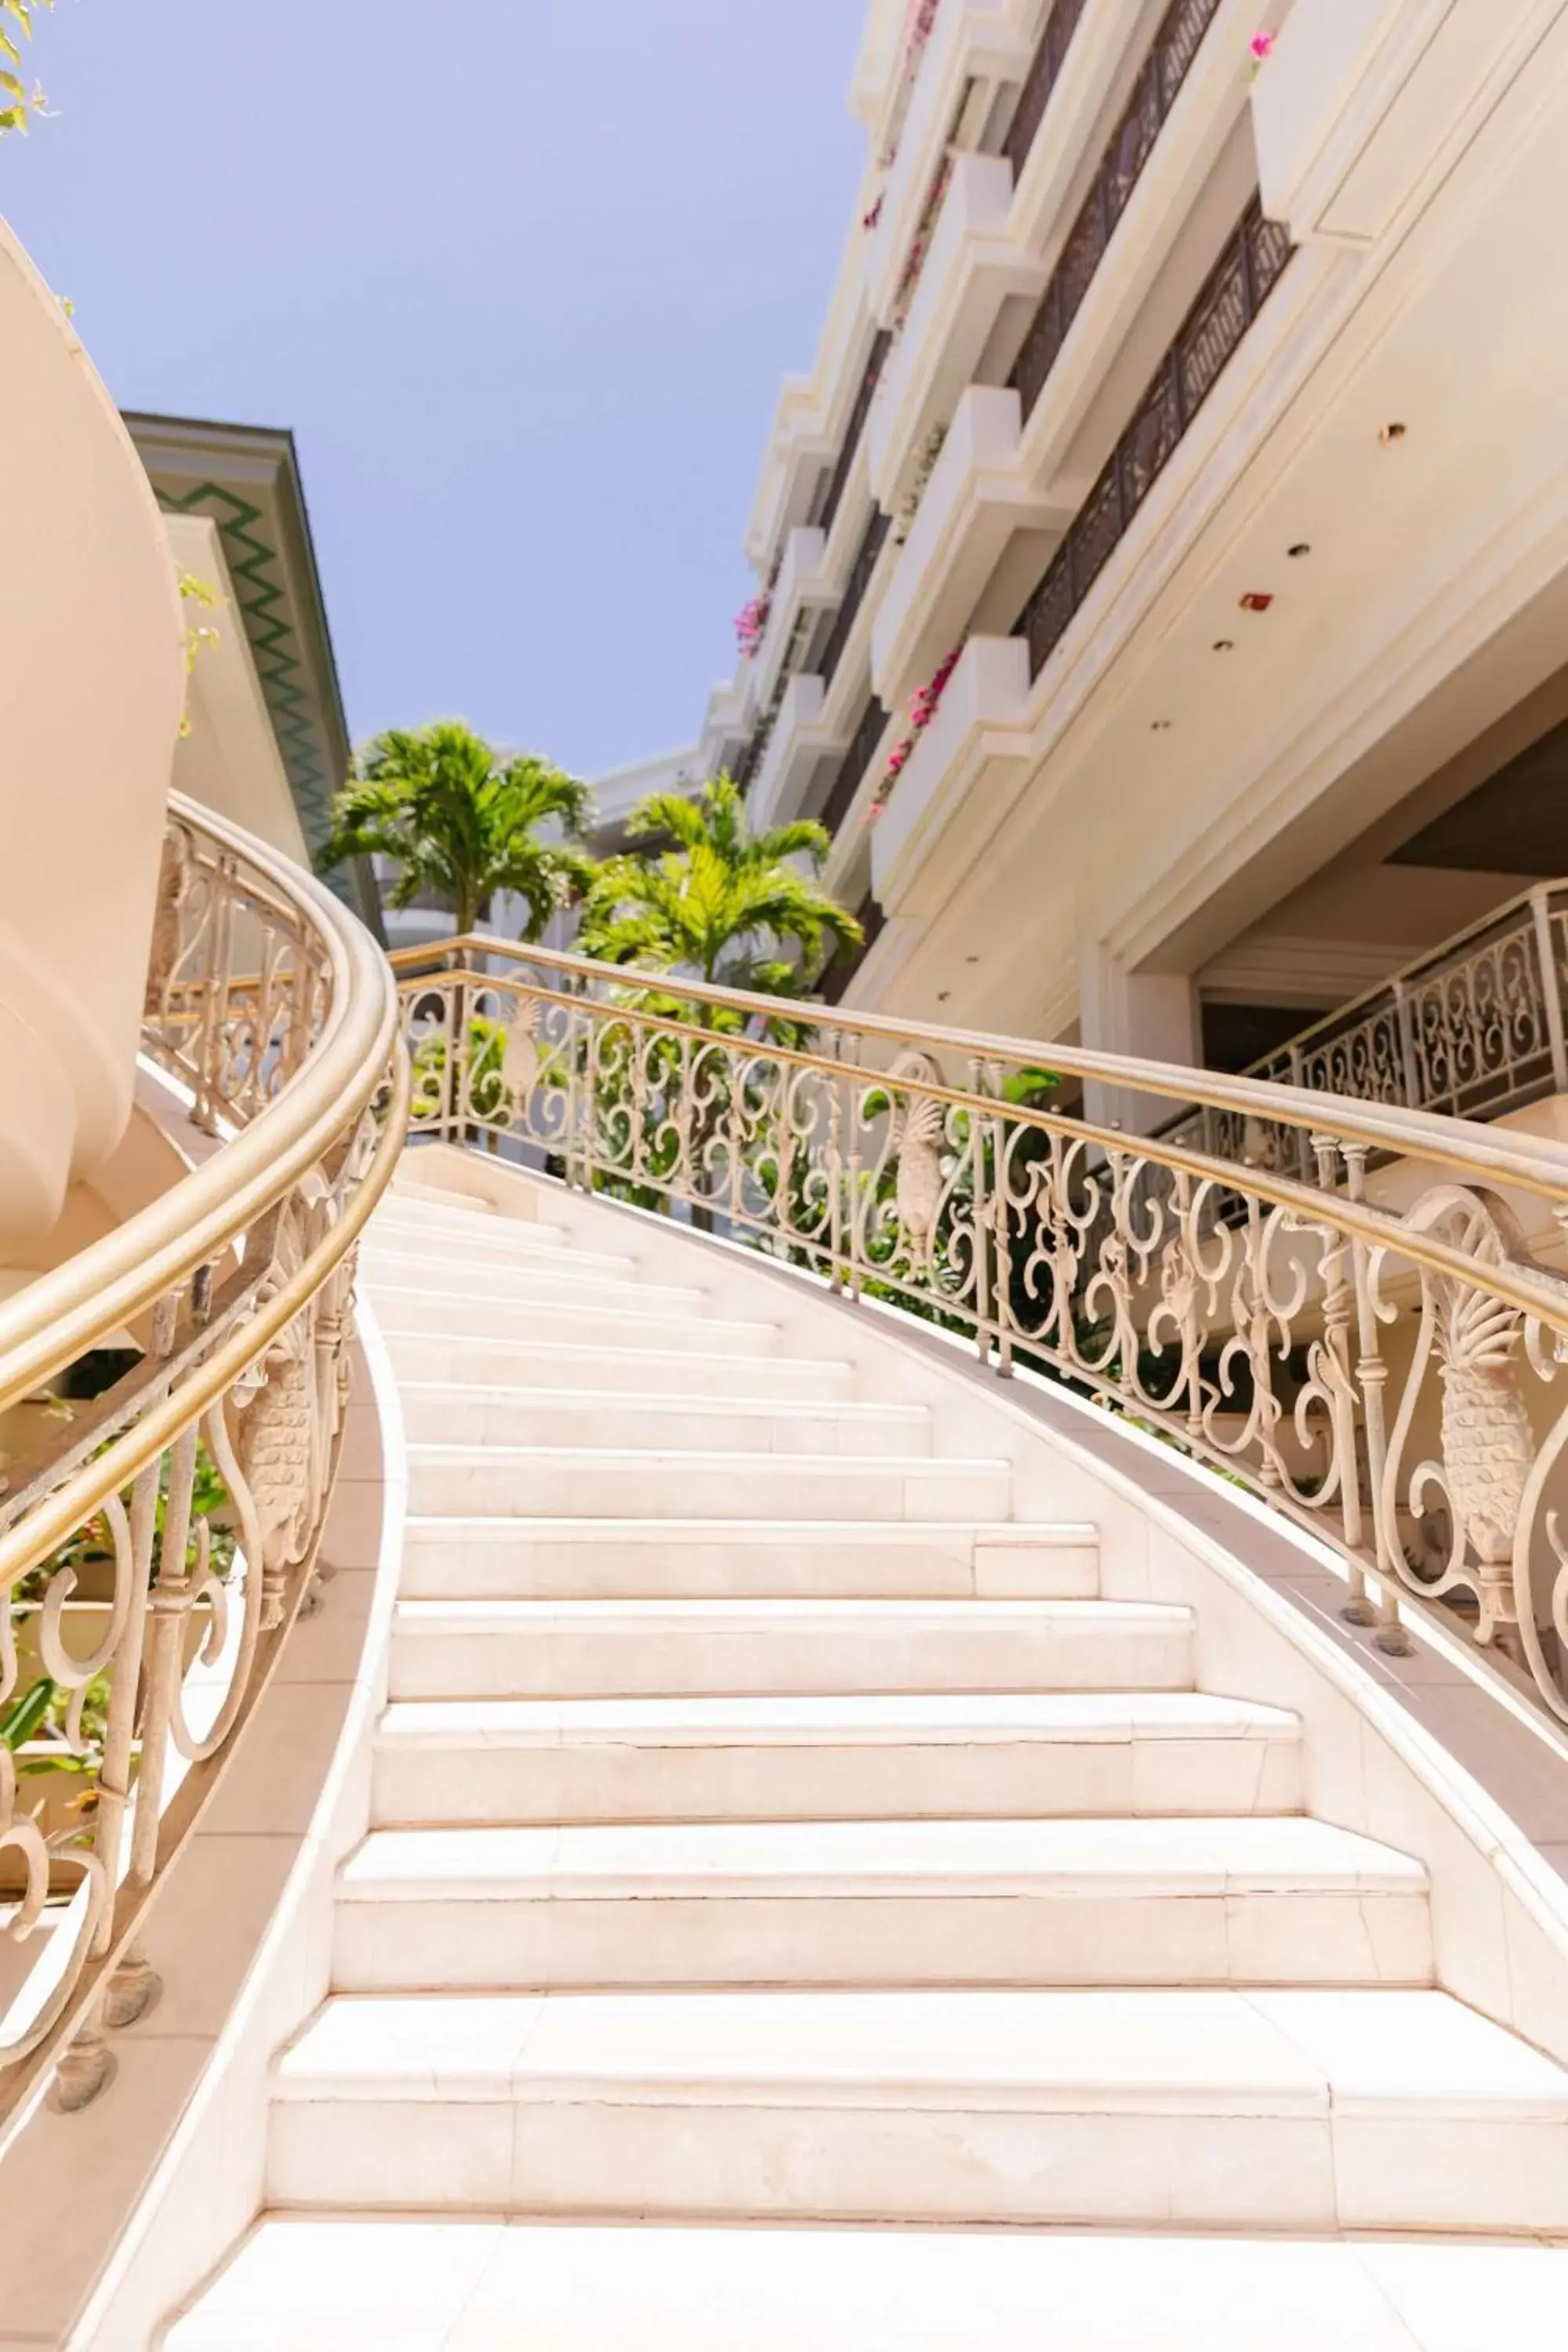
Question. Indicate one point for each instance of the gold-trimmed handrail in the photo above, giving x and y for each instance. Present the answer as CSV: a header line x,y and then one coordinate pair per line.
x,y
57,1316
157,1546
1534,1164
1332,1300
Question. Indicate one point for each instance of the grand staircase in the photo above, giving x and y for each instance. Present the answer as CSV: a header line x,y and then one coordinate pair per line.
x,y
786,1866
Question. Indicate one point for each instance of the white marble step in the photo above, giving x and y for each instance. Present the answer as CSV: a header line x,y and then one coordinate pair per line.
x,y
1247,1901
552,1281
612,1369
308,2282
930,1755
659,1649
446,1313
501,1242
439,1199
468,1412
530,1559
652,1481
1282,2110
453,1412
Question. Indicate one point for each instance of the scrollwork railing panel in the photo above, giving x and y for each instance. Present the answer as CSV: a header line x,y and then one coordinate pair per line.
x,y
1376,1359
161,1503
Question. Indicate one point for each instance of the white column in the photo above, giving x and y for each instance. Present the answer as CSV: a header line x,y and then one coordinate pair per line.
x,y
1152,1015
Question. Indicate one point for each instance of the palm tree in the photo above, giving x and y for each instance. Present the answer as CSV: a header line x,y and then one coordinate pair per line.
x,y
724,902
461,820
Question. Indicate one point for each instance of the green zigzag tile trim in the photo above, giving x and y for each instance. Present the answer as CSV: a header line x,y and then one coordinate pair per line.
x,y
262,599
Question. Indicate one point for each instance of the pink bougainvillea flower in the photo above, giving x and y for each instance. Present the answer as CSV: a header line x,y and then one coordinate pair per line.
x,y
1262,46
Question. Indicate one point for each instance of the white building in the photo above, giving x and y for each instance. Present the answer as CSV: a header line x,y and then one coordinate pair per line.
x,y
1207,404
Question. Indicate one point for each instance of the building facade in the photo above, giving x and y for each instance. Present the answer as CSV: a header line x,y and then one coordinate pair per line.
x,y
1162,571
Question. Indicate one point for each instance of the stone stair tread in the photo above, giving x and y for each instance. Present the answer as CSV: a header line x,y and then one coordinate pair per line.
x,y
1182,2052
653,1361
790,1613
516,1527
495,1241
399,1298
736,1405
1145,1857
521,1282
870,1719
678,1457
299,2284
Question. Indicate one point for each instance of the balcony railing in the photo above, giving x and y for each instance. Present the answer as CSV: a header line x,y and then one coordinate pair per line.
x,y
1043,72
1386,1378
852,768
1474,1029
860,580
1171,54
156,1542
1214,329
853,431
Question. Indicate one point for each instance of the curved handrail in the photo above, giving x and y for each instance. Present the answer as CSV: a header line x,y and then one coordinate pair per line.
x,y
57,1316
1248,1301
1532,1163
174,1523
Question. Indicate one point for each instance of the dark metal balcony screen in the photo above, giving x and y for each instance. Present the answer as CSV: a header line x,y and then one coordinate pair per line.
x,y
1040,80
854,429
860,580
1171,54
853,766
1233,295
872,919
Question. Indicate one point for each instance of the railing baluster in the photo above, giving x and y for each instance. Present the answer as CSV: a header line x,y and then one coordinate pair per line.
x,y
1551,993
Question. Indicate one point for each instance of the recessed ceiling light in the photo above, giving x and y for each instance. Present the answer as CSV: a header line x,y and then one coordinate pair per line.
x,y
1159,727
942,994
1225,645
1395,432
972,959
1302,547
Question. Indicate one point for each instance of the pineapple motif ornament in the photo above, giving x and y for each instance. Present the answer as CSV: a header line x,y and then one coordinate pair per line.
x,y
1487,1446
918,1124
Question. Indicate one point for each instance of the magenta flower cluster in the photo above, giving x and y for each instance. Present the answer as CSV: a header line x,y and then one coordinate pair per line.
x,y
1261,46
922,710
749,622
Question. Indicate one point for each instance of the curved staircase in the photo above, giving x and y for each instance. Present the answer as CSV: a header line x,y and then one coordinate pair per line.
x,y
787,1864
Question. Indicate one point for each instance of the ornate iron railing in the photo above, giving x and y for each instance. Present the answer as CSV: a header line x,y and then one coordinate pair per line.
x,y
854,430
1387,1376
157,1540
860,575
853,766
1474,1029
1241,281
1045,70
1171,54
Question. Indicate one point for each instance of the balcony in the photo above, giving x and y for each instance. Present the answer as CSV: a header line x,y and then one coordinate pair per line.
x,y
796,741
861,574
1171,57
976,504
1039,83
800,592
971,268
1361,106
848,449
978,741
969,47
1246,272
854,768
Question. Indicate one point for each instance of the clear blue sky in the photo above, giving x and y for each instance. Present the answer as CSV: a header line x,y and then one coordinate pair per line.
x,y
522,276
